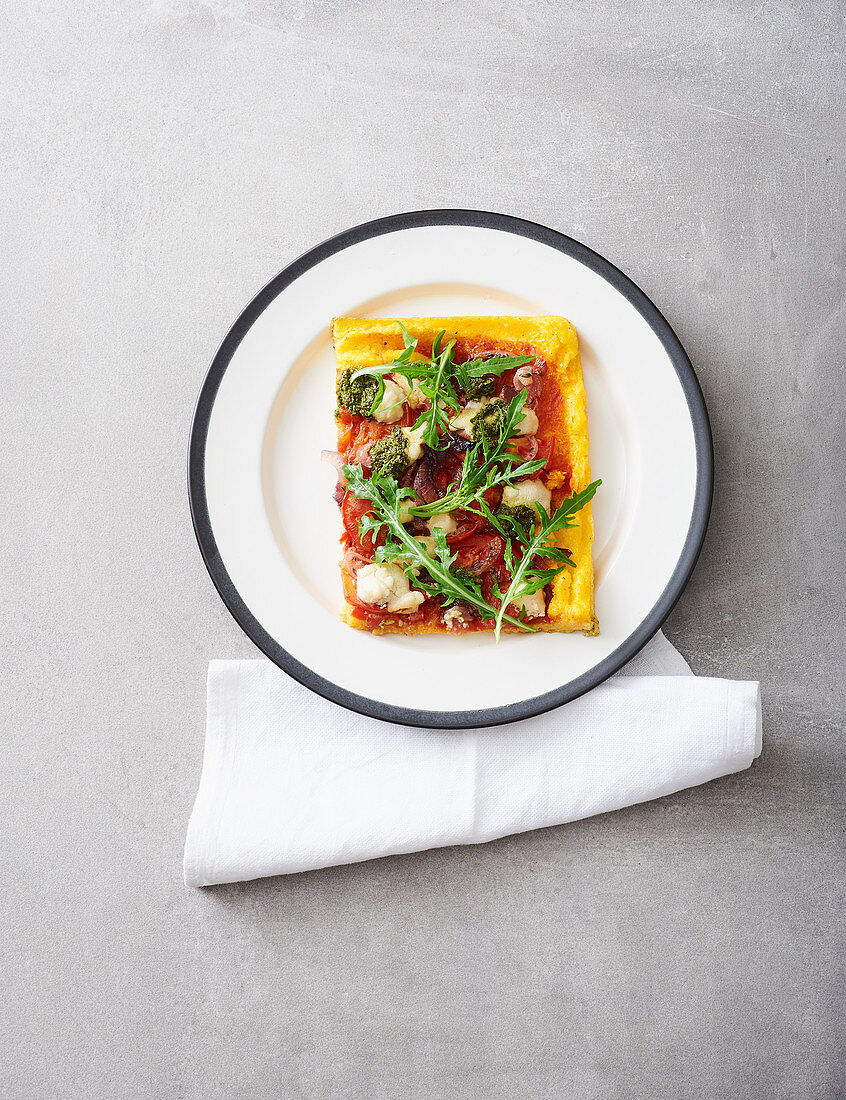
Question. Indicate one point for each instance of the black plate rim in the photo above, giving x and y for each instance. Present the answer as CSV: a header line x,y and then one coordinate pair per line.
x,y
456,719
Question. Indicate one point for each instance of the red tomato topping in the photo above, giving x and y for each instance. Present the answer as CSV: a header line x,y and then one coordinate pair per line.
x,y
467,525
350,589
481,553
372,616
345,430
352,511
355,440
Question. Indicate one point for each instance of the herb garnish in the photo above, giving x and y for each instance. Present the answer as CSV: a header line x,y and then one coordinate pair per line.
x,y
451,583
405,550
487,465
528,575
438,376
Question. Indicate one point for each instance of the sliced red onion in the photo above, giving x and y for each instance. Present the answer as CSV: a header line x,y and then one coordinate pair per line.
x,y
338,461
353,561
334,459
522,377
361,455
407,479
424,482
459,442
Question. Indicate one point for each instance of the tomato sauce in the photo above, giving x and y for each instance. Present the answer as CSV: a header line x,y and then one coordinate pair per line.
x,y
477,545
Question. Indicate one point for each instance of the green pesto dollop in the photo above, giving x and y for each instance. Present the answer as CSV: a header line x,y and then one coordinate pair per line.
x,y
489,421
524,514
389,456
477,388
466,576
357,395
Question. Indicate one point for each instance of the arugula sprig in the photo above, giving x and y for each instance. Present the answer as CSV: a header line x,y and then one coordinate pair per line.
x,y
437,377
488,464
442,579
528,574
440,392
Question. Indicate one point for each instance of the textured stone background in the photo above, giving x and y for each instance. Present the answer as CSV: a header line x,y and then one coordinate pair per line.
x,y
159,162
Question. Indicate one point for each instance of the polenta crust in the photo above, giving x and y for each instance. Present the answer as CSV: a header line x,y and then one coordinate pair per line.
x,y
361,342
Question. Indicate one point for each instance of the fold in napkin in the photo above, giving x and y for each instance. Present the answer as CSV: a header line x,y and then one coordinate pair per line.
x,y
292,782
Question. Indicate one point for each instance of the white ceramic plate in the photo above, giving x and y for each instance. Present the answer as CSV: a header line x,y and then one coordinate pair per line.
x,y
261,497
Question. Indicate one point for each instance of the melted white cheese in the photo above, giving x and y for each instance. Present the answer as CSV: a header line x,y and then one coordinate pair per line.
x,y
453,616
429,543
534,605
389,409
386,586
415,442
443,520
415,398
529,424
527,492
463,422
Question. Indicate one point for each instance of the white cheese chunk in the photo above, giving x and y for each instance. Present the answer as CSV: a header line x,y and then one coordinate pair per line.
x,y
443,520
415,442
527,492
389,409
453,617
534,605
463,422
529,424
386,586
429,543
415,398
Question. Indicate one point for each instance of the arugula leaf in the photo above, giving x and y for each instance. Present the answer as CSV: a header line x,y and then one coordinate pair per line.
x,y
527,577
407,339
400,365
486,465
441,396
498,364
405,550
437,376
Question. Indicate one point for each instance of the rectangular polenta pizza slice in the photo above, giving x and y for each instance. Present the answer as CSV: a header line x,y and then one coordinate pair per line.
x,y
464,478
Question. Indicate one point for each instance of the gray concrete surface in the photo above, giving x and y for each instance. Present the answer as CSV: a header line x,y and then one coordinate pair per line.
x,y
159,162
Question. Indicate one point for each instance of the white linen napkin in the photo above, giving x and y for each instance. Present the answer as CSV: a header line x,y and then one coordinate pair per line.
x,y
292,782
